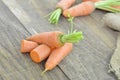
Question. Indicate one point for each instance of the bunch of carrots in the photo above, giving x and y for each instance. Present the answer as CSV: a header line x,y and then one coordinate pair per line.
x,y
53,45
84,8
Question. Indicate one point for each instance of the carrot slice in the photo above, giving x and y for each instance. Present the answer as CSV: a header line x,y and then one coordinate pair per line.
x,y
40,53
27,46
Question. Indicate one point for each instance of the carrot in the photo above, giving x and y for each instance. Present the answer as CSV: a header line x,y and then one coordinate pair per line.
x,y
87,7
40,53
61,5
65,4
118,7
81,9
27,46
57,56
91,0
107,5
55,39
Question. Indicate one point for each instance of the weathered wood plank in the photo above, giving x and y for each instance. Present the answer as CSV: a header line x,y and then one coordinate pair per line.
x,y
90,58
13,64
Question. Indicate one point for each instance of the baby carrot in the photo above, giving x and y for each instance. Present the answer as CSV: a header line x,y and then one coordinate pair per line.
x,y
82,9
65,4
40,53
107,5
61,5
117,7
55,39
87,7
91,0
57,56
27,46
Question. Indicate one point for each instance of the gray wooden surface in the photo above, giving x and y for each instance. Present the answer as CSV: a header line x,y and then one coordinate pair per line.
x,y
88,61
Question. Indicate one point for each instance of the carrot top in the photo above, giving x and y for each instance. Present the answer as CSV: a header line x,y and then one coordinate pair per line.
x,y
107,5
71,37
55,15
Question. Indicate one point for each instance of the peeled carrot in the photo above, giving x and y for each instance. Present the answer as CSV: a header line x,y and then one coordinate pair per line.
x,y
27,46
40,53
61,5
118,7
49,38
112,6
87,7
57,56
55,39
65,4
82,9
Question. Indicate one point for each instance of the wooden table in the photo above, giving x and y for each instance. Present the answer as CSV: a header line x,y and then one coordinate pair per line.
x,y
89,59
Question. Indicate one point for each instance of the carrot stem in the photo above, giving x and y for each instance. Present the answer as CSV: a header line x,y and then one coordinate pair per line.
x,y
55,15
72,37
43,72
107,5
70,19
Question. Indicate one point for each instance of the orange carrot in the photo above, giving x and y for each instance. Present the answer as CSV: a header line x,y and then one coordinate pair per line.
x,y
57,56
82,9
56,39
27,46
40,53
65,4
61,5
118,7
48,38
91,0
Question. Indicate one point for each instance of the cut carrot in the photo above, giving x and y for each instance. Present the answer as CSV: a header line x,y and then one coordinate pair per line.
x,y
40,53
27,46
82,9
56,39
57,56
61,5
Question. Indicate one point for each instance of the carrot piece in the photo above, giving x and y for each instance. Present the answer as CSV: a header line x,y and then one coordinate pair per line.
x,y
27,46
60,6
108,5
117,7
40,53
57,56
48,38
65,4
56,39
82,9
91,0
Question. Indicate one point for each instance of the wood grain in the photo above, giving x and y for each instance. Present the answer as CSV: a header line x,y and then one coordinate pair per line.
x,y
89,59
13,64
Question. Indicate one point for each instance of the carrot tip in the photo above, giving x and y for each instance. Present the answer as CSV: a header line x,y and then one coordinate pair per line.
x,y
43,72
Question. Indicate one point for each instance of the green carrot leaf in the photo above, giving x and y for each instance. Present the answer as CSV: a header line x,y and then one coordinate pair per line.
x,y
107,5
72,37
54,16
